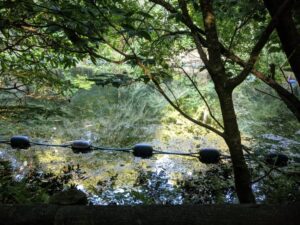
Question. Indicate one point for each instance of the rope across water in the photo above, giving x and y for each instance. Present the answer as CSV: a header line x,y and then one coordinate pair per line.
x,y
205,155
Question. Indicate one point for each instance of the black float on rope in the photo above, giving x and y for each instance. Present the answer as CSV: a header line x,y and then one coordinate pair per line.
x,y
277,159
142,150
81,146
116,83
209,155
20,142
205,155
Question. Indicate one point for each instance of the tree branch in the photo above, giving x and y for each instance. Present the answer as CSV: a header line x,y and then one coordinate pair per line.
x,y
238,28
186,19
286,80
147,73
202,97
266,93
257,48
212,39
165,5
173,94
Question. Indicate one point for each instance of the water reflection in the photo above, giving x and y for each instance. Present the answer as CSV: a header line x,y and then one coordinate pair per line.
x,y
125,117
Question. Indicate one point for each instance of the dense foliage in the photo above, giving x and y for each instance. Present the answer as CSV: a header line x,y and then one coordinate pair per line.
x,y
196,54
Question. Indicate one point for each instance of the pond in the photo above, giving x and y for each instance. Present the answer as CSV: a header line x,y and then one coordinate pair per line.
x,y
122,117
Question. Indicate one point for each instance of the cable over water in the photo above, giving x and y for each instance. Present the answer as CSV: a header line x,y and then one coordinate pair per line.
x,y
111,149
142,150
176,153
50,145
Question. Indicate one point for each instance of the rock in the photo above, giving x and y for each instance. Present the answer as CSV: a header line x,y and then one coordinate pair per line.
x,y
69,197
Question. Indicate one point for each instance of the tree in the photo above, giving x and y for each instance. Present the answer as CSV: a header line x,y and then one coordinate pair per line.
x,y
288,33
29,56
148,35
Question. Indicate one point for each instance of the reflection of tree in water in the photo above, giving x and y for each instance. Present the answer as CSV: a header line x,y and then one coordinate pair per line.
x,y
35,186
157,189
149,188
135,116
214,185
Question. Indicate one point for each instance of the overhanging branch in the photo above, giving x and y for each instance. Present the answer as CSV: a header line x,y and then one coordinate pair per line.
x,y
184,114
202,97
257,48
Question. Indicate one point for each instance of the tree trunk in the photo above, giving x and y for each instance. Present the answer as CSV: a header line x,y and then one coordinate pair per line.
x,y
288,34
216,69
233,140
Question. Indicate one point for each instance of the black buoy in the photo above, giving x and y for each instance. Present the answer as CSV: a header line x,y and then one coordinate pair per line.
x,y
143,150
116,83
277,159
20,142
209,155
81,146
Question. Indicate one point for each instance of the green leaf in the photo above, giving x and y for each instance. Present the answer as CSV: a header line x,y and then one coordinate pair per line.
x,y
143,34
144,14
53,28
274,49
127,27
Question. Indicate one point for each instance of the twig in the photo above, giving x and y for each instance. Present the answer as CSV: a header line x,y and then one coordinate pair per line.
x,y
258,47
184,114
273,96
286,79
264,176
172,93
202,97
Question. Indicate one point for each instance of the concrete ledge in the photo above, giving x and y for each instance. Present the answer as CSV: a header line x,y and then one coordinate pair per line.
x,y
154,215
